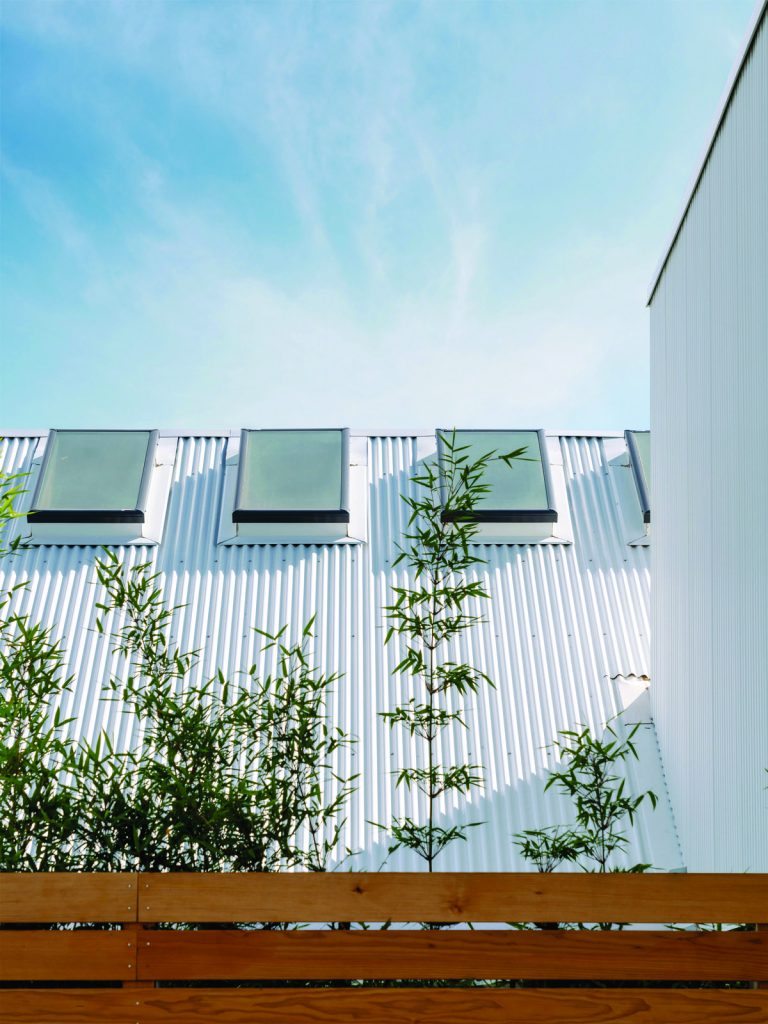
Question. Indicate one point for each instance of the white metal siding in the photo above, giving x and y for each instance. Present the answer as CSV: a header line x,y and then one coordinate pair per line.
x,y
709,416
564,622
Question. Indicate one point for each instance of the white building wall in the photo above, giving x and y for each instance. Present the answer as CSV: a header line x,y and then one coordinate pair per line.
x,y
709,421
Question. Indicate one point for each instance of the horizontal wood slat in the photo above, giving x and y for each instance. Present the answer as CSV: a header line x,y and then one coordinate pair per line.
x,y
453,897
70,1006
57,896
565,955
237,956
67,956
385,1006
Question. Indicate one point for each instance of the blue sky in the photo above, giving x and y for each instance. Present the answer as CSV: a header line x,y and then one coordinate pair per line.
x,y
217,214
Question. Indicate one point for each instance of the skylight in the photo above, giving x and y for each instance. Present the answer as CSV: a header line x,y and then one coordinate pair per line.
x,y
639,444
94,476
292,476
521,490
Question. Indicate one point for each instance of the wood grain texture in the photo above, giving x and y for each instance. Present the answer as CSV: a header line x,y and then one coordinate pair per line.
x,y
385,1006
565,955
56,896
70,1006
453,897
67,956
135,933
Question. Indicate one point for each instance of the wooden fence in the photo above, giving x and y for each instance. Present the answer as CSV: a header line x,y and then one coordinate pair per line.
x,y
110,976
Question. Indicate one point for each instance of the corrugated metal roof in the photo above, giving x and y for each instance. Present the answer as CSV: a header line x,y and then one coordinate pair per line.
x,y
566,628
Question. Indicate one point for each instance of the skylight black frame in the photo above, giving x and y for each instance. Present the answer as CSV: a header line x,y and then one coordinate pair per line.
x,y
84,515
643,485
339,515
490,515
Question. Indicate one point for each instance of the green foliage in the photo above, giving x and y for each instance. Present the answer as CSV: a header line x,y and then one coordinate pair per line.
x,y
428,616
588,774
11,490
223,777
297,747
37,808
548,848
226,777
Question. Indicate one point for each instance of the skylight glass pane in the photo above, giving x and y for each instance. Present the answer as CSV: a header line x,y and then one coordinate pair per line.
x,y
519,484
643,445
93,470
291,470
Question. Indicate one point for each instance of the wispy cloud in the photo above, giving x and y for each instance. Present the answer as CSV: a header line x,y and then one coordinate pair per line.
x,y
376,212
46,208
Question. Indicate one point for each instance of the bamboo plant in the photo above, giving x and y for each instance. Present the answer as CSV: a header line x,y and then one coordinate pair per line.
x,y
438,604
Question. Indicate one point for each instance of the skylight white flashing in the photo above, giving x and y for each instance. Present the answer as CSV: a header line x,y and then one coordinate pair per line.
x,y
636,532
149,532
352,532
559,532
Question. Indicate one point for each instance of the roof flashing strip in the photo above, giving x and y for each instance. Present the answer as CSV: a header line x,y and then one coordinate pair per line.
x,y
247,515
638,472
503,515
86,515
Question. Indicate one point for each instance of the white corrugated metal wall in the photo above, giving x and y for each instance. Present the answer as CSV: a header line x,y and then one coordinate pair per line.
x,y
566,622
709,415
